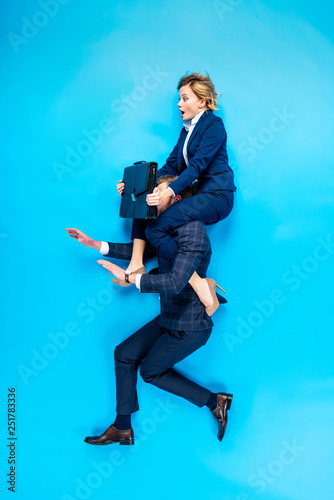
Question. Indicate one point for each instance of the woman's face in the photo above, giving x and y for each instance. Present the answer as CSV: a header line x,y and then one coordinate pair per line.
x,y
189,104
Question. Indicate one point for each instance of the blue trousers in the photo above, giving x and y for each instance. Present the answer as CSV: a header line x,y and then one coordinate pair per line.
x,y
157,350
208,208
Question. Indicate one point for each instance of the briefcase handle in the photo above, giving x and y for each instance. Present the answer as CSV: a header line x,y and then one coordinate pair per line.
x,y
139,162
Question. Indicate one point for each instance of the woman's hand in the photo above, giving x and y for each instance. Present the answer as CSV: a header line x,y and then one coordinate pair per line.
x,y
120,187
154,198
158,196
83,238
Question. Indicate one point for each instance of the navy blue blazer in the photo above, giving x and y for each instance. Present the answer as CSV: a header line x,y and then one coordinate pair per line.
x,y
181,308
207,157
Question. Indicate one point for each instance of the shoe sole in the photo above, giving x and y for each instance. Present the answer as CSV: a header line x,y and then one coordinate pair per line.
x,y
124,442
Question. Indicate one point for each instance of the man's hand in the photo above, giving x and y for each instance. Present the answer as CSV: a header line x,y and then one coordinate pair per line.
x,y
117,271
83,238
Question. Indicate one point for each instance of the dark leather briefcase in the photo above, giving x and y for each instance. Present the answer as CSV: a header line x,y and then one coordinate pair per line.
x,y
139,180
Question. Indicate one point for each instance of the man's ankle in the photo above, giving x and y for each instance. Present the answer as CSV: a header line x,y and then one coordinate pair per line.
x,y
212,401
122,422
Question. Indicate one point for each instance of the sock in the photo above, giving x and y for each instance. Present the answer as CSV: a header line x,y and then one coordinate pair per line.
x,y
212,401
122,422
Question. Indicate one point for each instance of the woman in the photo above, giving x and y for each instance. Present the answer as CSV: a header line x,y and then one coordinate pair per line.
x,y
199,157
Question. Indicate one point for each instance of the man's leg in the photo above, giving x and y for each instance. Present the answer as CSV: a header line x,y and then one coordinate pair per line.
x,y
128,355
169,349
157,369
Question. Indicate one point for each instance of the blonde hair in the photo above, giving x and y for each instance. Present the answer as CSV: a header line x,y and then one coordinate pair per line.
x,y
203,87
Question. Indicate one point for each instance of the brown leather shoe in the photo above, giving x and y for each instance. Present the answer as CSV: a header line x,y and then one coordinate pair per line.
x,y
224,402
112,435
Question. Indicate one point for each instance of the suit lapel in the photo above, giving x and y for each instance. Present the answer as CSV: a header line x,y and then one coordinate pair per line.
x,y
181,163
201,122
198,126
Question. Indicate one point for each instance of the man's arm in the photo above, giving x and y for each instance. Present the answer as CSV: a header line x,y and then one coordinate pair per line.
x,y
83,238
194,245
114,250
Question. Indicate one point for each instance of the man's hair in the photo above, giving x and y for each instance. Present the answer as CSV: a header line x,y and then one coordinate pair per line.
x,y
185,193
202,86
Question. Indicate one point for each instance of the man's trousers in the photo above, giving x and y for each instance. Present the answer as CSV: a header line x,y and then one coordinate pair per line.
x,y
157,350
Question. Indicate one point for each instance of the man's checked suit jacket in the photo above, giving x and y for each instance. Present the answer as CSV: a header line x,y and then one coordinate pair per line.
x,y
180,307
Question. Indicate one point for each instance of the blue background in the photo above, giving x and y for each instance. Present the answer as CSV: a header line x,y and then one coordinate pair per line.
x,y
84,66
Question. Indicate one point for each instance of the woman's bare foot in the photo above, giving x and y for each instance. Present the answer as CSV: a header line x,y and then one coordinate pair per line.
x,y
134,266
136,261
203,291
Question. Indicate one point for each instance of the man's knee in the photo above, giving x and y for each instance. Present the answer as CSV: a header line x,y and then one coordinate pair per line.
x,y
120,353
146,374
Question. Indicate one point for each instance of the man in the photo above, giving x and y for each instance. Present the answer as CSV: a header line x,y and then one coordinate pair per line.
x,y
182,327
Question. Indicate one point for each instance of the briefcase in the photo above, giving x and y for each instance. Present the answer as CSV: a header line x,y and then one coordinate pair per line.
x,y
139,180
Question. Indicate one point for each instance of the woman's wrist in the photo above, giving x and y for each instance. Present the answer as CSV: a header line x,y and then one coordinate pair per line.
x,y
167,193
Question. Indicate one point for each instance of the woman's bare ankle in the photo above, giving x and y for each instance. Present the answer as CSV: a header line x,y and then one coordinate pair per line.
x,y
203,291
134,266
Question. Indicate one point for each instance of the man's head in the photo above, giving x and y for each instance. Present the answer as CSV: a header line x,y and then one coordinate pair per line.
x,y
163,183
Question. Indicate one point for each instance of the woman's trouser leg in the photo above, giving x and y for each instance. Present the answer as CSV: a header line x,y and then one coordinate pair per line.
x,y
208,208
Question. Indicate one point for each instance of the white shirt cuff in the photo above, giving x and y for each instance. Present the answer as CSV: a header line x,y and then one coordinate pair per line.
x,y
173,194
104,248
138,278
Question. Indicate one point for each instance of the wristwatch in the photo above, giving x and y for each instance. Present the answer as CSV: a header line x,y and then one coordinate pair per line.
x,y
127,277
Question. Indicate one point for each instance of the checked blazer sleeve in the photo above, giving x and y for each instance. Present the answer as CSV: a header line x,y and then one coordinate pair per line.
x,y
194,245
120,251
124,251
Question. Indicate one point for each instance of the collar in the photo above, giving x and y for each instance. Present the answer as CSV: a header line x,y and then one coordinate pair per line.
x,y
193,120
